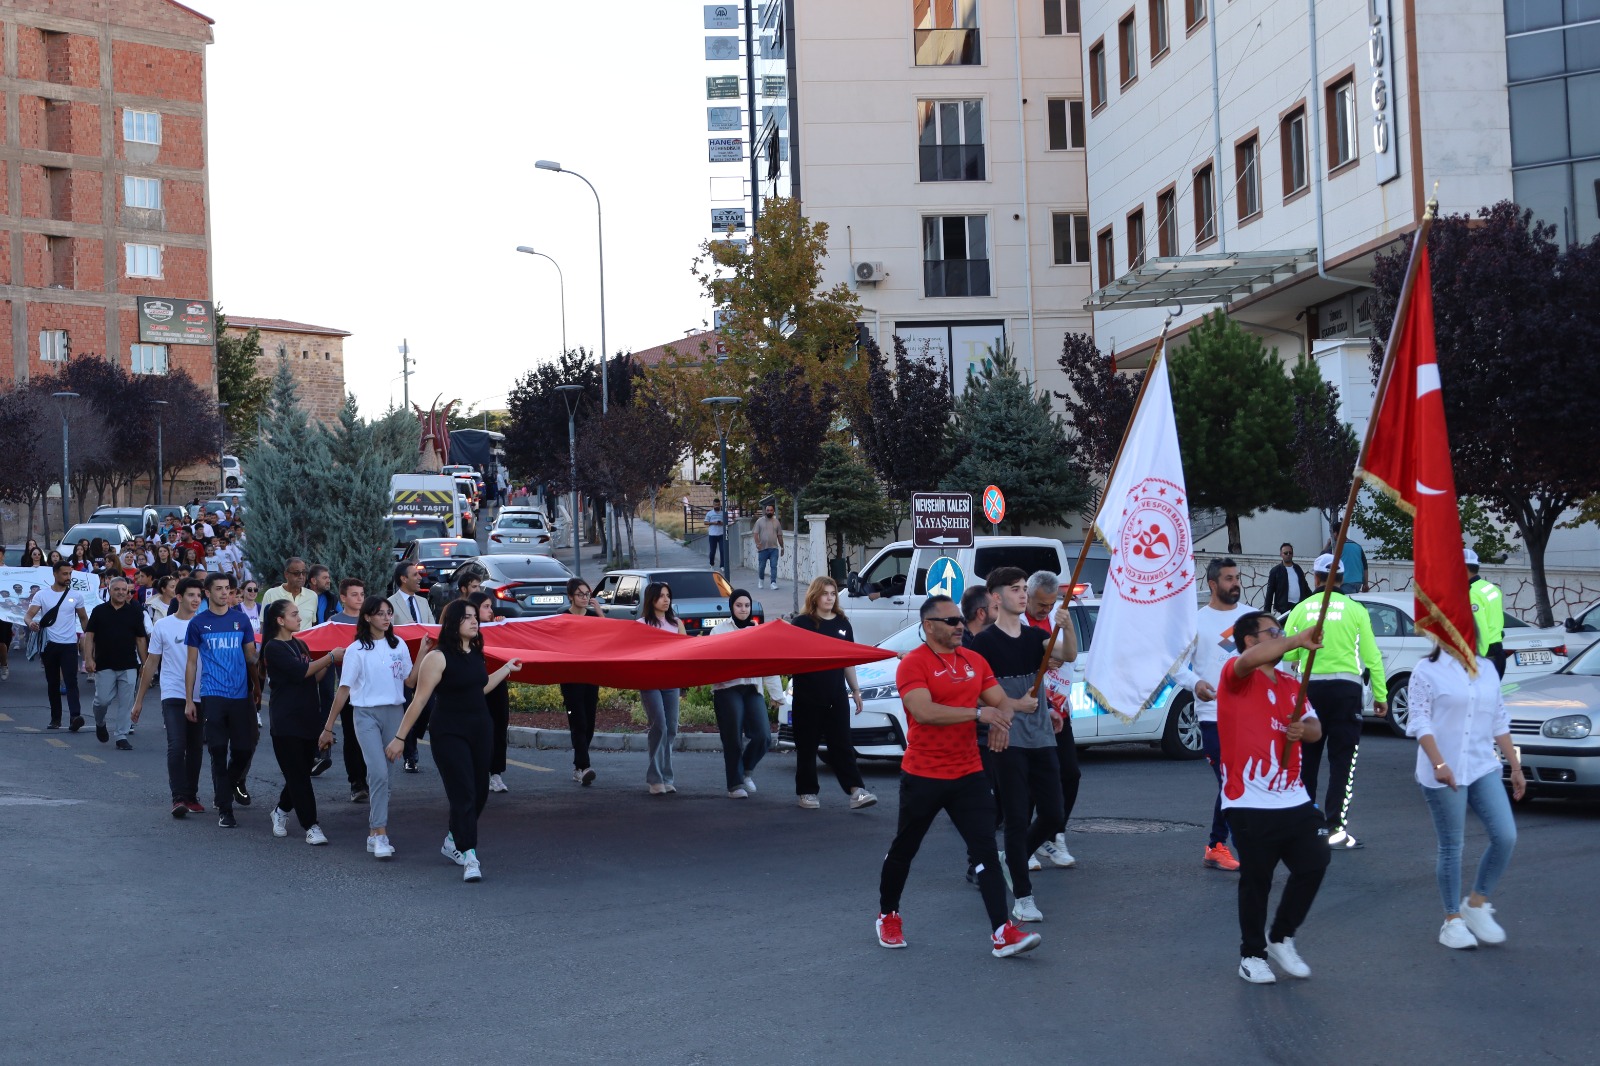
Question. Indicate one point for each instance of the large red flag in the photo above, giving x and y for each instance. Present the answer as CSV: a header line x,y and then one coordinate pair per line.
x,y
1408,457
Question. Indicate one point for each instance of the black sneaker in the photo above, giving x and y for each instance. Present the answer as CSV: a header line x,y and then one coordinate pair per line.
x,y
76,723
101,733
972,874
123,745
321,765
240,796
53,725
411,767
586,778
227,821
359,795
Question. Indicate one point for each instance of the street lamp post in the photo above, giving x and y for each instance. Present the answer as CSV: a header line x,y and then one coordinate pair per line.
x,y
160,472
222,444
66,465
572,395
561,281
722,411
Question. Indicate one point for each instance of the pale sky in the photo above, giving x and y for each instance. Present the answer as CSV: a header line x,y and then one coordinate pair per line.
x,y
372,170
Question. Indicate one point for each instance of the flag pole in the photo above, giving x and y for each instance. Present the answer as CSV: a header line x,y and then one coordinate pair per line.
x,y
1088,532
1418,244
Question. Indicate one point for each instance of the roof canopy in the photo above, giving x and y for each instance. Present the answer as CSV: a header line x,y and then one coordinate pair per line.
x,y
1199,279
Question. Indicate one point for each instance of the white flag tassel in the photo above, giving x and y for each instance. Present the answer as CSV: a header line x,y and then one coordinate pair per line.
x,y
1146,626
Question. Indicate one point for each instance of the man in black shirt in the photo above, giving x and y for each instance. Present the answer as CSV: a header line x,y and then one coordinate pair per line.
x,y
114,644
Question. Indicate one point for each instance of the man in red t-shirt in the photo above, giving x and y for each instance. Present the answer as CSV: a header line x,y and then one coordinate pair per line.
x,y
1268,809
942,686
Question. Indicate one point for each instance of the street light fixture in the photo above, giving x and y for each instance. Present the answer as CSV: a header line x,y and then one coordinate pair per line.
x,y
722,411
66,466
572,396
160,473
562,282
222,444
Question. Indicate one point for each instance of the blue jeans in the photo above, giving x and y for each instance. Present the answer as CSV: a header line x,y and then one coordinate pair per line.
x,y
661,710
764,558
741,712
1210,744
1487,797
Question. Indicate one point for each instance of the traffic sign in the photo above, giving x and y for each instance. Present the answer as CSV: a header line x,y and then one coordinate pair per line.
x,y
945,578
941,520
994,505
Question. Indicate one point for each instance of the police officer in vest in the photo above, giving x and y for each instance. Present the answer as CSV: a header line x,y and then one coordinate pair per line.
x,y
1349,649
1489,612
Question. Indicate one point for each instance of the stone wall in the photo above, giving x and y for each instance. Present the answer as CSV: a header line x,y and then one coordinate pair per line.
x,y
316,361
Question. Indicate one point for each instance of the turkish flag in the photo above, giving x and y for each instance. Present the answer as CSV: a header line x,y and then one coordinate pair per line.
x,y
1408,457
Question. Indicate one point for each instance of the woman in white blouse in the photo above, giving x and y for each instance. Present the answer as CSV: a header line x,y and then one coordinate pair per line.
x,y
1458,722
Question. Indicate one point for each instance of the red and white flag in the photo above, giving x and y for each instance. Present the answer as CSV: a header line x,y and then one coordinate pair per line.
x,y
1146,626
1408,457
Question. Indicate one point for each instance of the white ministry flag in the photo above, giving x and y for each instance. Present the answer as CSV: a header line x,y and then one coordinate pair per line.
x,y
1147,616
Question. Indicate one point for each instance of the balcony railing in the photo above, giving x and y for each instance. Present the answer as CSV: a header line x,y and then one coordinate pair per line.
x,y
948,48
951,162
955,277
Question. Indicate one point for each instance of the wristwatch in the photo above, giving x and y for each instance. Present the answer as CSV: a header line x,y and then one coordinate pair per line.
x,y
979,716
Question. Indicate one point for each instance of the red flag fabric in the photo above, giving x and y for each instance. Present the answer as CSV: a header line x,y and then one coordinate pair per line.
x,y
564,648
1408,457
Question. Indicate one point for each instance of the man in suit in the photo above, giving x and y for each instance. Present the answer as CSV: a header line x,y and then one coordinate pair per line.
x,y
1286,583
410,605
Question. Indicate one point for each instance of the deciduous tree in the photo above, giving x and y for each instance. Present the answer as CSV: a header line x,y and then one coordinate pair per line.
x,y
1325,449
787,418
240,383
625,455
903,421
1098,403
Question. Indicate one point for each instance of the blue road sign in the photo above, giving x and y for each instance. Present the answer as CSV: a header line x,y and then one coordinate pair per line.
x,y
946,579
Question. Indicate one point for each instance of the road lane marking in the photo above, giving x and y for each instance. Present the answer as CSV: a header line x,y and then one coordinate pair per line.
x,y
5,718
530,766
90,758
129,774
52,741
26,729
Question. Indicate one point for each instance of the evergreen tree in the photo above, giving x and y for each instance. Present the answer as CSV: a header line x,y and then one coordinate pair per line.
x,y
292,503
240,383
1325,449
845,490
364,457
1007,435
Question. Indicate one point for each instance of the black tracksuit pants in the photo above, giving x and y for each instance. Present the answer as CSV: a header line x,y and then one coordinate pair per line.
x,y
970,803
462,758
296,757
1027,779
582,702
1294,836
1338,707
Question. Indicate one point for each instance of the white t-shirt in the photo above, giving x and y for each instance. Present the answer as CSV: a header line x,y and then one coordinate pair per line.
x,y
1214,646
65,630
376,676
1292,577
716,522
167,639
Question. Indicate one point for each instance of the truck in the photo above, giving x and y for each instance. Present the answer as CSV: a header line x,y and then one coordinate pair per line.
x,y
424,495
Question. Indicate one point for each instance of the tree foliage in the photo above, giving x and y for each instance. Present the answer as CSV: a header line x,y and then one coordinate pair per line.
x,y
1099,401
1324,448
625,456
355,491
1006,434
845,490
903,422
536,414
1391,528
1235,414
1517,325
290,493
240,383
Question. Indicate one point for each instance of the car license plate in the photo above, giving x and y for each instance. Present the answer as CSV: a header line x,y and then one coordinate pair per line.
x,y
548,599
1535,657
519,540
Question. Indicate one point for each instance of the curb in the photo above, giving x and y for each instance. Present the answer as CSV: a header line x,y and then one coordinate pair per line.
x,y
521,736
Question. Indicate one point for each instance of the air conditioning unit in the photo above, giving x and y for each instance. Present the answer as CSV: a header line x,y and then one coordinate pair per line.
x,y
868,272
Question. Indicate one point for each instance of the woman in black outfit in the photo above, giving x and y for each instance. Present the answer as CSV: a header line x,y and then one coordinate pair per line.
x,y
499,700
296,712
164,563
459,727
581,701
822,706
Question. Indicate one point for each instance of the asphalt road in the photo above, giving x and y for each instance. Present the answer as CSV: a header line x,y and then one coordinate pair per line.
x,y
614,926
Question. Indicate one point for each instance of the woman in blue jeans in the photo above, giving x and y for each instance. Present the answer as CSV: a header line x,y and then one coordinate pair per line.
x,y
741,706
660,705
1458,721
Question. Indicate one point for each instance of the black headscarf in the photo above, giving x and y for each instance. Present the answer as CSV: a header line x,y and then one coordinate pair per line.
x,y
748,622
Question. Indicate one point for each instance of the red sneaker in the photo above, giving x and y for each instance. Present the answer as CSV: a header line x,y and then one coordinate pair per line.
x,y
179,808
889,934
195,808
1218,857
1013,941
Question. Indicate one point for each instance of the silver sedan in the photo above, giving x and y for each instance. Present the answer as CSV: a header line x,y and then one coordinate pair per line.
x,y
1555,724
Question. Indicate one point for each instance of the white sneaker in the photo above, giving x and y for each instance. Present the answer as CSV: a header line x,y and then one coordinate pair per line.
x,y
810,803
380,847
658,790
1061,846
1055,855
1256,971
1034,865
1455,934
371,840
471,871
774,585
861,798
496,784
1287,958
1481,921
449,849
280,823
749,784
738,794
1026,911
315,835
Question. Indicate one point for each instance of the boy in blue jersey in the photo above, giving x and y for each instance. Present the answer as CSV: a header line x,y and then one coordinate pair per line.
x,y
222,649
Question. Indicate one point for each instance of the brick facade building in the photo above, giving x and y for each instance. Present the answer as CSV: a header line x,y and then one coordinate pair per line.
x,y
103,181
315,355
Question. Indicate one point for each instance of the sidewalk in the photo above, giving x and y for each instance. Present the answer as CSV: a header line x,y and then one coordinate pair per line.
x,y
775,603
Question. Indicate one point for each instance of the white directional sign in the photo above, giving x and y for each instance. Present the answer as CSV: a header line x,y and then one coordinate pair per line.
x,y
941,519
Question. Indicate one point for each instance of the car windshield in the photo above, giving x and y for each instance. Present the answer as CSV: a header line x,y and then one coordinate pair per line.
x,y
114,533
694,584
410,529
537,567
1586,663
905,640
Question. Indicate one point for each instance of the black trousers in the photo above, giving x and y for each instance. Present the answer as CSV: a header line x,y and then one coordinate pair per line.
x,y
1297,838
185,741
818,720
970,803
1067,757
582,703
499,700
355,764
231,735
463,762
296,757
420,727
61,666
1028,779
1338,707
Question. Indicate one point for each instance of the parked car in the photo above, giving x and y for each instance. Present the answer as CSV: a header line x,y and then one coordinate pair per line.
x,y
232,472
1583,629
140,521
14,554
171,510
521,533
438,556
217,506
115,533
523,586
407,528
1553,726
234,499
699,595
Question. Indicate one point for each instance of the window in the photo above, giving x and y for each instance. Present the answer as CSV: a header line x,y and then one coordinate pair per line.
x,y
1097,75
53,345
947,33
1341,122
1065,119
1247,167
1135,239
1106,255
59,258
1205,205
1167,222
955,255
1069,235
950,140
142,192
141,127
1060,16
1194,13
147,358
1292,144
1159,41
144,260
1127,50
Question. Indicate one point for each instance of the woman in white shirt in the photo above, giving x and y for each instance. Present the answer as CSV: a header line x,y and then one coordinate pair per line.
x,y
377,669
1458,722
741,706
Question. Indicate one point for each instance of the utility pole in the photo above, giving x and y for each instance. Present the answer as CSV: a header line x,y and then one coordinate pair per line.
x,y
406,362
750,105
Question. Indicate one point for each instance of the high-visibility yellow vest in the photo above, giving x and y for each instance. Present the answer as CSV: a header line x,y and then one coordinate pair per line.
x,y
1489,611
